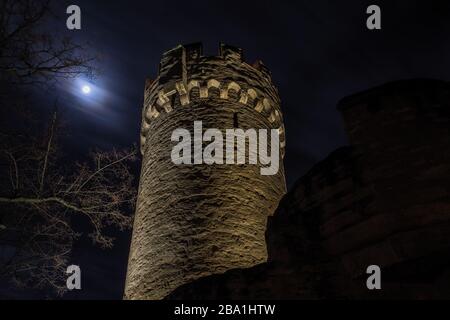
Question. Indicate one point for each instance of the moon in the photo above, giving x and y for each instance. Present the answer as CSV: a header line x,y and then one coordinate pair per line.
x,y
86,89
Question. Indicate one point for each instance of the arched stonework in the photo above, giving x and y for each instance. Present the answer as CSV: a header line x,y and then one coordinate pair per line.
x,y
248,97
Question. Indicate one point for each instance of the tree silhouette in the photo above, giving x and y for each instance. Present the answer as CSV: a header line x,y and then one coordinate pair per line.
x,y
41,192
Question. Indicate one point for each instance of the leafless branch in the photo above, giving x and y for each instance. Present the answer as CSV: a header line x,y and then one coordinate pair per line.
x,y
41,195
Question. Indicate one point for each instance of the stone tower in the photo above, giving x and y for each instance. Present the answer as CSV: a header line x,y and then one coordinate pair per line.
x,y
196,220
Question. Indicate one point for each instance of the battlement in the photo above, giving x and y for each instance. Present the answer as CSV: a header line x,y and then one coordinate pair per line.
x,y
400,87
175,63
192,52
392,111
186,76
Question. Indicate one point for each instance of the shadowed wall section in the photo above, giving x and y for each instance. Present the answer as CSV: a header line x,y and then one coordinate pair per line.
x,y
196,220
384,200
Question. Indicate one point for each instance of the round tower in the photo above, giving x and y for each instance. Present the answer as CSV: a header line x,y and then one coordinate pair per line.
x,y
194,220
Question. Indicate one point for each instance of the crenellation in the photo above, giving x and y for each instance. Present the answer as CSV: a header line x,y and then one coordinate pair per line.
x,y
230,53
194,51
171,65
261,67
366,113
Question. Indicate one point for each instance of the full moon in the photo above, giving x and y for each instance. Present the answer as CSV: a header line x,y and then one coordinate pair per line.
x,y
86,89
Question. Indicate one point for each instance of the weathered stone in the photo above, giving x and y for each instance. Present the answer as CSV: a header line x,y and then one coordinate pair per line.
x,y
196,220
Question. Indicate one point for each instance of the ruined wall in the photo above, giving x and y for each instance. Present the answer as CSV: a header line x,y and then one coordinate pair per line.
x,y
195,220
384,200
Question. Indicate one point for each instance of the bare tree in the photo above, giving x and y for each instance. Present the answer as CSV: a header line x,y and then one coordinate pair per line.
x,y
41,192
39,198
32,53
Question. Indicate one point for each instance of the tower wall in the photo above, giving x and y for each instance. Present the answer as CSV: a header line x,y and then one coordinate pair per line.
x,y
196,220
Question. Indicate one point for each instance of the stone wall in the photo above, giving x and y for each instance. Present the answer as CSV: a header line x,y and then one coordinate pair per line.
x,y
196,220
384,200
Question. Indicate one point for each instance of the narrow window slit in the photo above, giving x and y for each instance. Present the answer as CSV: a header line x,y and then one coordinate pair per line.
x,y
235,120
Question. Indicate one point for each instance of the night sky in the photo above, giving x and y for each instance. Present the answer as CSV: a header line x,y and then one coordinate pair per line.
x,y
318,52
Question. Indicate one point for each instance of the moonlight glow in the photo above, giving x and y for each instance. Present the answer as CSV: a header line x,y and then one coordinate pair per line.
x,y
86,89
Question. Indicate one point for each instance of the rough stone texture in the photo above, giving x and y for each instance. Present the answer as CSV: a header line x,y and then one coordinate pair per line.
x,y
384,200
196,220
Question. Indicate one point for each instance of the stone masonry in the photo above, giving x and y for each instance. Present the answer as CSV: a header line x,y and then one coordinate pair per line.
x,y
197,220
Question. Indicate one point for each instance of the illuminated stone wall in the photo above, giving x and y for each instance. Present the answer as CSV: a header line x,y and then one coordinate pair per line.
x,y
196,220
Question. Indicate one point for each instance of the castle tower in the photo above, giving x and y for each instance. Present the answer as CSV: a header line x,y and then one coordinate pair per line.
x,y
194,220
